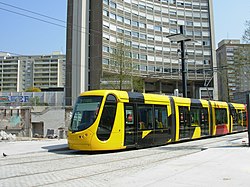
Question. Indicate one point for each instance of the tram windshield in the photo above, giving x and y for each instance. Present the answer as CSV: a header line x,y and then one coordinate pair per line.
x,y
85,112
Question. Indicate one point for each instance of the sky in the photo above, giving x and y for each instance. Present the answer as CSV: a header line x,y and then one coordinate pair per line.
x,y
230,17
33,35
25,33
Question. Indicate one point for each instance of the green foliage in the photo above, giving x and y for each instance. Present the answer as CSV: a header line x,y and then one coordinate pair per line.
x,y
34,101
242,66
121,74
246,36
33,89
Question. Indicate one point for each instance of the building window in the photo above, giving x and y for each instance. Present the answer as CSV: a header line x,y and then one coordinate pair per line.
x,y
105,61
173,31
135,34
143,57
135,23
127,21
189,23
142,25
206,62
119,18
135,55
206,43
105,49
106,2
143,67
127,32
142,36
105,13
112,4
120,30
112,16
157,28
151,68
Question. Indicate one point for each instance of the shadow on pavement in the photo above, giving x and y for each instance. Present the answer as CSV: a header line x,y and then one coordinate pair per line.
x,y
54,148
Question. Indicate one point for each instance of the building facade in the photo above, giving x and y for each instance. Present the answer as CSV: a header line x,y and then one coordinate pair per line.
x,y
17,73
97,27
233,60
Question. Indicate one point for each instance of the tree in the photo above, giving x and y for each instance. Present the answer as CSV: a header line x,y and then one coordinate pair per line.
x,y
242,67
33,89
242,61
34,101
121,73
246,35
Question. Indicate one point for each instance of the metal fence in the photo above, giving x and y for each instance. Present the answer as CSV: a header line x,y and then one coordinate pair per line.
x,y
31,98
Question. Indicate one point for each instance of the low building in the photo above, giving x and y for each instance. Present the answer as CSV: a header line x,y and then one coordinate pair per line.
x,y
233,67
17,73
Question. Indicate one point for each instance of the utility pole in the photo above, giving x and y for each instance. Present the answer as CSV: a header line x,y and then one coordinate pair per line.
x,y
183,64
181,38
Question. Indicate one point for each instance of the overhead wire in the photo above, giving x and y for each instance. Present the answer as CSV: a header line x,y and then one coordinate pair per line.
x,y
36,13
42,20
78,28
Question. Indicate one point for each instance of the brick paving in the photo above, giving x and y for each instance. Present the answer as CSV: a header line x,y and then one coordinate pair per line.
x,y
50,163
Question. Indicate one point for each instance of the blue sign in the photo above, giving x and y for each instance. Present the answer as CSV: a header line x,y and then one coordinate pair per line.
x,y
21,99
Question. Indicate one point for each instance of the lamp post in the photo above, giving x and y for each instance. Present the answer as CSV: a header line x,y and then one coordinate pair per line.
x,y
181,38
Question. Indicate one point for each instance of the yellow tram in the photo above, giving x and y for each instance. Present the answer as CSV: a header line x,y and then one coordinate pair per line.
x,y
113,120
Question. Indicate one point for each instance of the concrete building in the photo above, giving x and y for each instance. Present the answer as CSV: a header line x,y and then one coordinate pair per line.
x,y
233,69
17,73
96,27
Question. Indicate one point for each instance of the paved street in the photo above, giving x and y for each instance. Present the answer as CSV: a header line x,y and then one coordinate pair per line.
x,y
222,161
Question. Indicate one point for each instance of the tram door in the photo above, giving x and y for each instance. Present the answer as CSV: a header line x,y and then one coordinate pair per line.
x,y
130,125
185,129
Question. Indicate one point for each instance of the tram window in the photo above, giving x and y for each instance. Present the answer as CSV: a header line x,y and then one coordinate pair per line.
x,y
199,118
85,112
145,117
107,119
129,115
195,116
161,117
235,119
184,116
221,116
244,118
241,117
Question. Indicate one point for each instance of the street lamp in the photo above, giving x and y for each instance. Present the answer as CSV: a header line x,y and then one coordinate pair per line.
x,y
181,38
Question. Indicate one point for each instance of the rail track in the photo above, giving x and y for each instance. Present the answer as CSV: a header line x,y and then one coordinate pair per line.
x,y
69,167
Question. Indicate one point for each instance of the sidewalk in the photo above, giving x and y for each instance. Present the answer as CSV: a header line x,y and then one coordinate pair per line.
x,y
29,146
222,161
224,166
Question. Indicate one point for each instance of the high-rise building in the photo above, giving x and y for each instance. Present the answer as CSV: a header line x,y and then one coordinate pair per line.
x,y
233,68
17,73
97,27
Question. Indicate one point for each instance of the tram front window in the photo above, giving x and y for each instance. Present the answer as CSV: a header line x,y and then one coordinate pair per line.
x,y
85,112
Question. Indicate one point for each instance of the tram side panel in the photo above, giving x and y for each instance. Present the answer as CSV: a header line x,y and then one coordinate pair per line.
x,y
238,117
110,132
182,117
220,118
151,117
192,118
